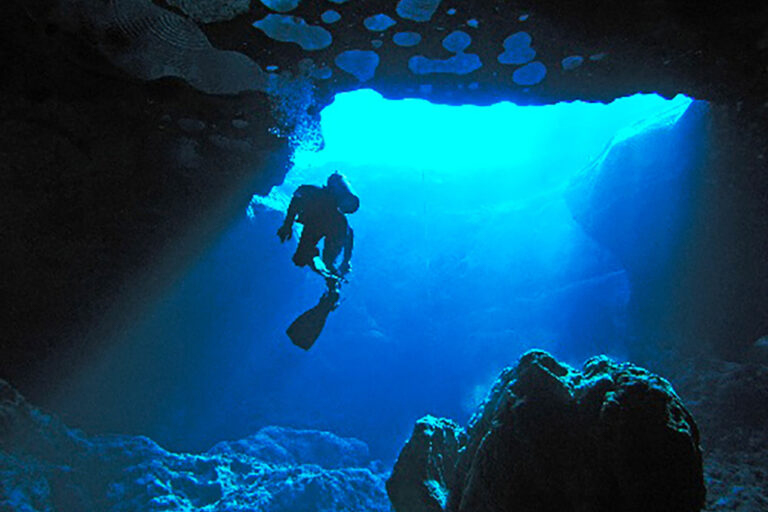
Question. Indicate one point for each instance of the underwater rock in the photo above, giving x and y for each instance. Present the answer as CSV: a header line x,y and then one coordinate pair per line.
x,y
24,429
736,481
119,163
633,197
759,350
46,466
428,457
664,198
647,52
612,436
150,43
280,445
729,399
211,11
730,403
191,125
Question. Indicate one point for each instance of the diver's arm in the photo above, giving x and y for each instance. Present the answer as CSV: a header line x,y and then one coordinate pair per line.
x,y
348,243
286,230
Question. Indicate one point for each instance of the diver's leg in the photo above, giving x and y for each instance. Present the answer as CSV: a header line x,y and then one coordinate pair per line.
x,y
307,253
331,250
307,249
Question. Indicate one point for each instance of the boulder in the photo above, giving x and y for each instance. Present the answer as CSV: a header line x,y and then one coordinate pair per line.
x,y
429,457
612,436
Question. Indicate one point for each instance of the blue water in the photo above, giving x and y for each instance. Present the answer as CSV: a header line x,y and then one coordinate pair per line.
x,y
465,256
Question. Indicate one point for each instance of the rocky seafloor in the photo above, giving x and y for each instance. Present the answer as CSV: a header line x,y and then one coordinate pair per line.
x,y
570,438
730,403
45,466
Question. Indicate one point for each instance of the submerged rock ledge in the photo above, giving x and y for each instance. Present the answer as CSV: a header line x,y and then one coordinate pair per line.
x,y
46,466
612,436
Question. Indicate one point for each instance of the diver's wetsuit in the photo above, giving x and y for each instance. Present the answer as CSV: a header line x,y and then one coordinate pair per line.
x,y
317,209
322,211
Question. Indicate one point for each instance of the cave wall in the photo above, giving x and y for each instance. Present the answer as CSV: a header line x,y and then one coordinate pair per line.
x,y
110,187
683,207
722,276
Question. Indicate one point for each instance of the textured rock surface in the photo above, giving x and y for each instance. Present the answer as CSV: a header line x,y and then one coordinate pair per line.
x,y
594,50
550,438
429,458
715,52
730,402
680,206
109,187
210,11
150,42
287,446
46,466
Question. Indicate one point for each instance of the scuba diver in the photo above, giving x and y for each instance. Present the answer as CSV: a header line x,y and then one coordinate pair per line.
x,y
322,212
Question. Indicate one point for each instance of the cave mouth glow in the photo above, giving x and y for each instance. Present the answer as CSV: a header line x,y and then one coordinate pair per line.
x,y
464,231
502,150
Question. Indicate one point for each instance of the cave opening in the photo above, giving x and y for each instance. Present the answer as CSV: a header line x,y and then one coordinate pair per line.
x,y
466,255
464,209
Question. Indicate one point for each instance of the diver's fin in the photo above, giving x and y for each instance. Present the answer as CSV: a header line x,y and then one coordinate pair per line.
x,y
305,330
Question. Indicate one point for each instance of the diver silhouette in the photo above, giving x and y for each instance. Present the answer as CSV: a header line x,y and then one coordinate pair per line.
x,y
322,213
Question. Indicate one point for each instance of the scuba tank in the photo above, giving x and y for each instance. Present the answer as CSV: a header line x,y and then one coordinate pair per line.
x,y
347,200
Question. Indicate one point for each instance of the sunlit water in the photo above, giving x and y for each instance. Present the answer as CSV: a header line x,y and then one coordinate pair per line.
x,y
464,237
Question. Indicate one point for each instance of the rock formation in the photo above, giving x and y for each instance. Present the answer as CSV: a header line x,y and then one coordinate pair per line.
x,y
612,436
531,52
46,466
676,204
730,402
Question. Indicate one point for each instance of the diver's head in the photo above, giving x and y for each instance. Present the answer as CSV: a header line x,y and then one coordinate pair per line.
x,y
336,180
347,201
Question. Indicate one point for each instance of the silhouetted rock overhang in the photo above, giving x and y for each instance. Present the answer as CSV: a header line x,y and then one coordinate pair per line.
x,y
463,52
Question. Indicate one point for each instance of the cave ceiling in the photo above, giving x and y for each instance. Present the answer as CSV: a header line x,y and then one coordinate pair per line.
x,y
445,51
